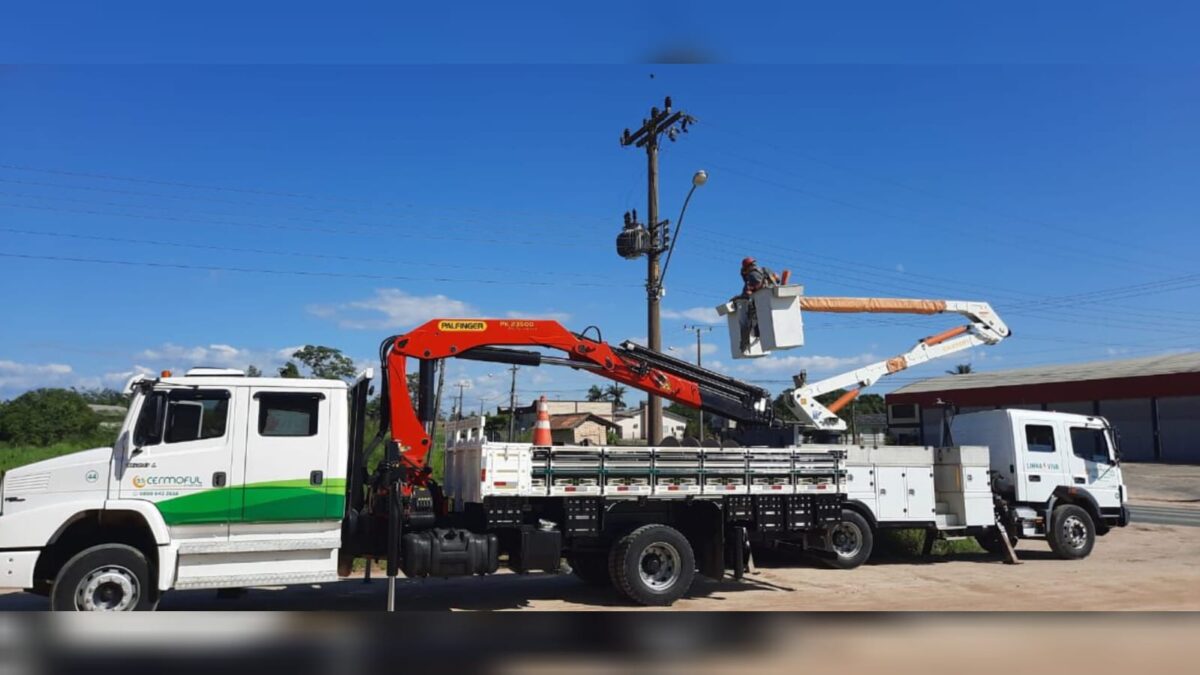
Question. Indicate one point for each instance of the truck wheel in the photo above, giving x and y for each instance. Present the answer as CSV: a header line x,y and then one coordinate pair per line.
x,y
653,565
849,542
1072,533
105,578
591,568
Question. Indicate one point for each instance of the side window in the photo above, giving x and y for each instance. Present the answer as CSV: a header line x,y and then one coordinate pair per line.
x,y
196,414
148,430
1039,437
288,414
1090,444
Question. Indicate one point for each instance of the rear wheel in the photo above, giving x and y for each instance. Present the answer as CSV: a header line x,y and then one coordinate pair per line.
x,y
1071,534
105,578
653,565
849,542
591,568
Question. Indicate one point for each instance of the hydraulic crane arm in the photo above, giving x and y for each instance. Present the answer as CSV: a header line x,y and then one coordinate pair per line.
x,y
985,328
489,339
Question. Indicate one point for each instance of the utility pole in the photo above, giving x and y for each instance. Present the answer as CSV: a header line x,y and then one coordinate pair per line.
x,y
512,404
461,384
647,136
698,330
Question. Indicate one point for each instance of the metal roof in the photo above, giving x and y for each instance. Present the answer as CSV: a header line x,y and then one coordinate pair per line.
x,y
1171,364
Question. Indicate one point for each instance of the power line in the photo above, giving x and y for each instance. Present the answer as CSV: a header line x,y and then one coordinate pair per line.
x,y
259,270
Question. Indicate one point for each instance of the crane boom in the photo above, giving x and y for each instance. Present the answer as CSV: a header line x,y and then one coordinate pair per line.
x,y
985,328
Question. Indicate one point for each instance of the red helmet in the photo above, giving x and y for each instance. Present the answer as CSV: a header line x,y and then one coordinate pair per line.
x,y
747,262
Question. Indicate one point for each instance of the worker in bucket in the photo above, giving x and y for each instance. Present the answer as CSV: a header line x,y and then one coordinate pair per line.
x,y
754,277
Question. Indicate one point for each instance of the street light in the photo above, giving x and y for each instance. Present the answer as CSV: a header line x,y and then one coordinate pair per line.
x,y
699,178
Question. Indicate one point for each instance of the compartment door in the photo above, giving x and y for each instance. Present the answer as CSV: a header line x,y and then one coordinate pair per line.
x,y
891,493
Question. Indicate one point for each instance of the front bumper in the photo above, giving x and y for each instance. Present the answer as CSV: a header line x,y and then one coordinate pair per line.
x,y
16,568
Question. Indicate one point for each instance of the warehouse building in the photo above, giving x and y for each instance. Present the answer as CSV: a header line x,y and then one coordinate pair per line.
x,y
1153,403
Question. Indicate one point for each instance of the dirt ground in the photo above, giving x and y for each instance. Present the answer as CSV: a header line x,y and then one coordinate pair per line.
x,y
1140,567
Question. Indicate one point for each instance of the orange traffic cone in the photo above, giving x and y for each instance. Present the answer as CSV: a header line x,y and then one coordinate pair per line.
x,y
541,428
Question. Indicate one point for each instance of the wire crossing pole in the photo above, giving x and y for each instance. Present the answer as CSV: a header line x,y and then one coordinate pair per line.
x,y
647,136
698,330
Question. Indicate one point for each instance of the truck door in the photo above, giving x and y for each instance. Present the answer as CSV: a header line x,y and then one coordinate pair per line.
x,y
287,457
1041,458
180,457
1093,465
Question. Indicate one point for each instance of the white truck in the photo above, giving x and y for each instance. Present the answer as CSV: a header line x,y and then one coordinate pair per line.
x,y
1036,474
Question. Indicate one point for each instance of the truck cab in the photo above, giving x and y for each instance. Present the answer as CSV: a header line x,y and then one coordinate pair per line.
x,y
216,480
1043,462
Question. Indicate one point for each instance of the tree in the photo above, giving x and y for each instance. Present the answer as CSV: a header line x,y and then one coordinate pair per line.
x,y
616,394
326,363
290,370
46,416
253,371
960,369
595,393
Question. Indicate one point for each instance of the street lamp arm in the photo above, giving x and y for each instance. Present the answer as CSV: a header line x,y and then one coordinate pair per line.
x,y
678,226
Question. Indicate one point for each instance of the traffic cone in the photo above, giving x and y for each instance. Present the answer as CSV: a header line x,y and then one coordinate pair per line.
x,y
541,428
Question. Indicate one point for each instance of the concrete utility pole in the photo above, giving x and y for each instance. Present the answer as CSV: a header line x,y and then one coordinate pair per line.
x,y
647,136
698,330
512,404
461,384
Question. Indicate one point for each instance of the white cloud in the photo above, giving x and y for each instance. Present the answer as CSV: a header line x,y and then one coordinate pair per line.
x,y
794,364
687,350
171,355
698,314
16,375
391,308
118,379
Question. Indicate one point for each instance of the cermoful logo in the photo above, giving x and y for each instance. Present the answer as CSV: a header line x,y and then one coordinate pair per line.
x,y
460,326
166,481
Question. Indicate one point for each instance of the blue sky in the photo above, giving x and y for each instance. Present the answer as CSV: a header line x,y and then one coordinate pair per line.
x,y
241,211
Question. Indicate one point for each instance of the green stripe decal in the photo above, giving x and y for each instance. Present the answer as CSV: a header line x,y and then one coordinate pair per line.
x,y
272,501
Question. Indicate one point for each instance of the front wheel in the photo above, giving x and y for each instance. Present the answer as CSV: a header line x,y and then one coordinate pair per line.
x,y
849,542
105,578
1072,534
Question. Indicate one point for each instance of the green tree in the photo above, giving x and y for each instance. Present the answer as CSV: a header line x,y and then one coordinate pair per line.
x,y
692,416
326,363
253,371
961,369
616,394
45,416
595,393
290,370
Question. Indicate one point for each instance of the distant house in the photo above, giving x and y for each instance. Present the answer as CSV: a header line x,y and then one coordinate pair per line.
x,y
633,424
527,415
580,429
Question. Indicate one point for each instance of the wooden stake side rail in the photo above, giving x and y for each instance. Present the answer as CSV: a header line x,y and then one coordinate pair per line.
x,y
476,470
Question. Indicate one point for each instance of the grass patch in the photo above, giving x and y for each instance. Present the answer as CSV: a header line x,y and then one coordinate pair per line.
x,y
909,543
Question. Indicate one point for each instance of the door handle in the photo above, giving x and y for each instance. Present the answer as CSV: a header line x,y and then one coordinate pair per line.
x,y
912,491
1080,480
219,479
316,478
1034,478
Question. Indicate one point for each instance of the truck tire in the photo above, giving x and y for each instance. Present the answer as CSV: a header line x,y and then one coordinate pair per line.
x,y
1072,534
591,568
653,565
105,578
850,542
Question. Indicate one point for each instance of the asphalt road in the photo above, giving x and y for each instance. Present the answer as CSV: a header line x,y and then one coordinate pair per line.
x,y
1165,515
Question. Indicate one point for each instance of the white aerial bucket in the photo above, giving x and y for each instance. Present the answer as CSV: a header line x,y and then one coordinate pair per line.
x,y
780,323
